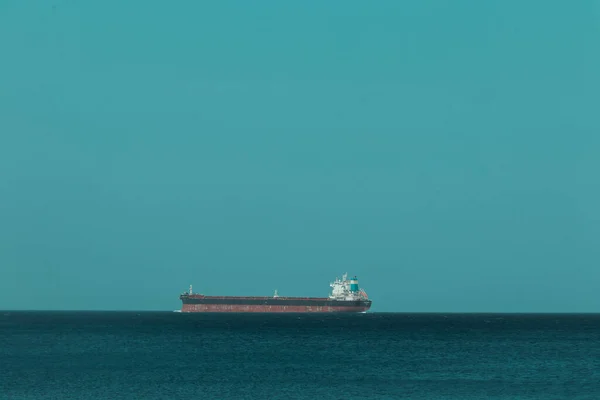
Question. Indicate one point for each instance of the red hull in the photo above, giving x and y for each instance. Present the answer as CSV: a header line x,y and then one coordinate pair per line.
x,y
266,308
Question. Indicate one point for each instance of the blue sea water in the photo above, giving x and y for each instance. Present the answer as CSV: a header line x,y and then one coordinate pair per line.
x,y
166,355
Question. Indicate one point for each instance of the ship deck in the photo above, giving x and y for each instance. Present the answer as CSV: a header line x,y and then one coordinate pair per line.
x,y
201,296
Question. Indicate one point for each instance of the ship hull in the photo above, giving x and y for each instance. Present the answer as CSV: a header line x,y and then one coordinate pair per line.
x,y
271,305
267,309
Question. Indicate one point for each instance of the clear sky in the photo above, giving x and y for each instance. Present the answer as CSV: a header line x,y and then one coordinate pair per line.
x,y
446,152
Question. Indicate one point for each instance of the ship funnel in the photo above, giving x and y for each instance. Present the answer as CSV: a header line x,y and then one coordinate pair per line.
x,y
354,284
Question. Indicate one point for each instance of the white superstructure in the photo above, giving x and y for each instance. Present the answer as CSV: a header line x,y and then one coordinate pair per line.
x,y
344,289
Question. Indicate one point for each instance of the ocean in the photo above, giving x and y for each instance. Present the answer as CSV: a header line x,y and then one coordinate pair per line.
x,y
167,355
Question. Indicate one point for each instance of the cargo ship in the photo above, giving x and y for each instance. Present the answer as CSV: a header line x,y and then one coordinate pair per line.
x,y
345,296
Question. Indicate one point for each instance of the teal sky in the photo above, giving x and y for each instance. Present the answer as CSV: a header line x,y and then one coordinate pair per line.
x,y
446,152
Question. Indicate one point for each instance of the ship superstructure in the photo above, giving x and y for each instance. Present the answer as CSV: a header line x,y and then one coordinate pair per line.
x,y
345,296
344,289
